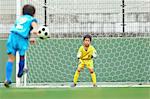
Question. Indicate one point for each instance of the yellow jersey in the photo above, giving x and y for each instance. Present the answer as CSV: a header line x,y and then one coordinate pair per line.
x,y
86,54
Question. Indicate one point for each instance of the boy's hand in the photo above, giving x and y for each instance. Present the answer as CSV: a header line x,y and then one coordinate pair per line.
x,y
32,41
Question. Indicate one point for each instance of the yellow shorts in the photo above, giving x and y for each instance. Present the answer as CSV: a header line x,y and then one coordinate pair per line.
x,y
87,63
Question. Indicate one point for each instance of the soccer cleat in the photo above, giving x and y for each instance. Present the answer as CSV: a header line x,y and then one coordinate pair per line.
x,y
25,70
7,84
73,85
94,85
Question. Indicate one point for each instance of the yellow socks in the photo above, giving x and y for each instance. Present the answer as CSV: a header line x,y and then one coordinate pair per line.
x,y
93,75
76,76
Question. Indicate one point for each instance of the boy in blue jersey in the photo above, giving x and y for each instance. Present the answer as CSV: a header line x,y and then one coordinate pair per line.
x,y
19,40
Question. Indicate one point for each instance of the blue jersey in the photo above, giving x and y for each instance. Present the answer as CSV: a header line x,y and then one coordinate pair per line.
x,y
23,26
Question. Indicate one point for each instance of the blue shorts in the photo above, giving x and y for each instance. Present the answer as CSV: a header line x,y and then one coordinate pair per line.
x,y
17,43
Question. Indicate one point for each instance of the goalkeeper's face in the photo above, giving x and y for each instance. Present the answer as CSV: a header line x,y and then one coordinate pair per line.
x,y
86,42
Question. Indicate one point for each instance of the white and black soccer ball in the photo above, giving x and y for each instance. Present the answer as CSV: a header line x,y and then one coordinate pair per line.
x,y
43,32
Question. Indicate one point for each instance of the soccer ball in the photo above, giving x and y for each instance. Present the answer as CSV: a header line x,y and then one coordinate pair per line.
x,y
43,32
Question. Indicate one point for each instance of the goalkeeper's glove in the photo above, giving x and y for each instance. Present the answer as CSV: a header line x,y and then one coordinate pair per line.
x,y
79,55
94,54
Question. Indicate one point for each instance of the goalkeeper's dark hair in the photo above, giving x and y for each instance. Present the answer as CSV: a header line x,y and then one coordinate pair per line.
x,y
87,36
28,10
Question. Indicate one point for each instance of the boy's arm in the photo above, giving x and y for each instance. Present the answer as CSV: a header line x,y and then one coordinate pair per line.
x,y
35,28
34,31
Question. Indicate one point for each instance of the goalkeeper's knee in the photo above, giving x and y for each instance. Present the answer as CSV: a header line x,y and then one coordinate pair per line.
x,y
91,71
78,70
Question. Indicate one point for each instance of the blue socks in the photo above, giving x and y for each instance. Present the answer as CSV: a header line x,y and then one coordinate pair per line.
x,y
21,66
9,67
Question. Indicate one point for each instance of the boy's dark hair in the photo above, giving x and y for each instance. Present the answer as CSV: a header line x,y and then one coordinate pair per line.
x,y
87,36
28,9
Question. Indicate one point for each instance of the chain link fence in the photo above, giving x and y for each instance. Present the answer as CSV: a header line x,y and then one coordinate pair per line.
x,y
101,18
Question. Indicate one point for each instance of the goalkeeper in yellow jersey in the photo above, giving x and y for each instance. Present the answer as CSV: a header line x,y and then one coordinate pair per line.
x,y
85,54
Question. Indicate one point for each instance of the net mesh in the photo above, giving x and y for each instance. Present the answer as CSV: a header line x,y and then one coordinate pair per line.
x,y
119,60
